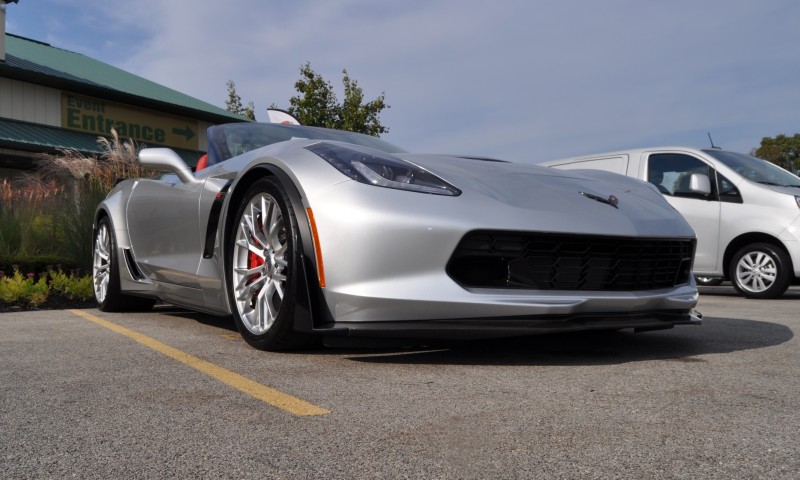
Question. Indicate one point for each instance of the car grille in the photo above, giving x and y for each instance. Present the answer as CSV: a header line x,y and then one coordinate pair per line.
x,y
546,261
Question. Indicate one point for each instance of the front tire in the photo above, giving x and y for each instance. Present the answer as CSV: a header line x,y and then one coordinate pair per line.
x,y
262,269
105,274
761,270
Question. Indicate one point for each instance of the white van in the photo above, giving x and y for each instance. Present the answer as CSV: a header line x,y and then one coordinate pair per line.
x,y
744,210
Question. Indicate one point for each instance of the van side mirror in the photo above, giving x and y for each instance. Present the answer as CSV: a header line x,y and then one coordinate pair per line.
x,y
166,160
700,183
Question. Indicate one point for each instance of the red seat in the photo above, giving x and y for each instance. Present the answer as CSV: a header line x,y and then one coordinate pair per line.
x,y
202,163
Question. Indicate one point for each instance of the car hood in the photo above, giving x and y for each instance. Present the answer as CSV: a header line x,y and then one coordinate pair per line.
x,y
794,191
621,204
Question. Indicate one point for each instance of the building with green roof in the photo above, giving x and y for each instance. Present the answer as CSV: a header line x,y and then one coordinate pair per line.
x,y
53,99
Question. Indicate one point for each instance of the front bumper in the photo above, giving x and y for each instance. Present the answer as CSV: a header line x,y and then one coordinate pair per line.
x,y
486,328
386,254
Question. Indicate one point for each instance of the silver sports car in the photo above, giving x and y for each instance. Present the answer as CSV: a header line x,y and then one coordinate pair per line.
x,y
301,233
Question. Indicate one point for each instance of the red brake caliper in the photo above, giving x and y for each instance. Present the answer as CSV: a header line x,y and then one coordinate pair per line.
x,y
254,261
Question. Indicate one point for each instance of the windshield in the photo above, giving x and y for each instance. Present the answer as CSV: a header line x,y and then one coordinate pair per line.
x,y
756,169
229,140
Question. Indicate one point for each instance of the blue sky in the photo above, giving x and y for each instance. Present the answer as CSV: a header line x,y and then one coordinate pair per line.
x,y
527,80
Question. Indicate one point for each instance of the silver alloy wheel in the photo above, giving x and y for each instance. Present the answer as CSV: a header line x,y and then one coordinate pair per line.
x,y
101,266
260,263
756,271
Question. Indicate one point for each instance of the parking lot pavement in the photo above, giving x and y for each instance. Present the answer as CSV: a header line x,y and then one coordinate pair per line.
x,y
80,398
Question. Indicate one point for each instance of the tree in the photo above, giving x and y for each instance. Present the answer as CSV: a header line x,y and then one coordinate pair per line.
x,y
781,150
234,103
316,105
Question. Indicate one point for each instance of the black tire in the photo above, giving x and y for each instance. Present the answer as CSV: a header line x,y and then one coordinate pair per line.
x,y
105,274
708,281
761,270
263,286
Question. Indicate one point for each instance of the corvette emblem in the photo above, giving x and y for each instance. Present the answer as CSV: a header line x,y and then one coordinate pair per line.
x,y
611,200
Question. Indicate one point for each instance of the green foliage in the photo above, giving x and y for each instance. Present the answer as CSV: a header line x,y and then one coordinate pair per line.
x,y
358,117
50,212
75,223
318,106
11,288
26,290
26,225
46,219
781,150
71,286
20,288
234,103
10,234
43,263
81,288
36,292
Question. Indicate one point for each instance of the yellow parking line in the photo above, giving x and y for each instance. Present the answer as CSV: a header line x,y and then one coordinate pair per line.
x,y
285,402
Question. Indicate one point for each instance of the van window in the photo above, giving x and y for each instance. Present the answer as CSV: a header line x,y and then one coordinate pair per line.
x,y
727,190
755,169
670,173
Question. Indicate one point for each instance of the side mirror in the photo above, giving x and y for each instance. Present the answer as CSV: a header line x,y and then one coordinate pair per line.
x,y
166,160
699,183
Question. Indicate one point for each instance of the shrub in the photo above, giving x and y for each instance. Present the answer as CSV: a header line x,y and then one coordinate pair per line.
x,y
23,289
39,263
81,288
26,216
71,286
12,288
46,220
36,292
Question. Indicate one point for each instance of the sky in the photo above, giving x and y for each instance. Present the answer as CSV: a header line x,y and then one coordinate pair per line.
x,y
526,81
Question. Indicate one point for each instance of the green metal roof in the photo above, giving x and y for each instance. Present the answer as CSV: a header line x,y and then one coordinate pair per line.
x,y
24,136
39,62
35,137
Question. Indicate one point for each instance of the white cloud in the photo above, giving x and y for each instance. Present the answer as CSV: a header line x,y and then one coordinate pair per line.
x,y
524,80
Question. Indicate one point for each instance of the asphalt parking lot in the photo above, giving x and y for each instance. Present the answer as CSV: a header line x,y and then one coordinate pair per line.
x,y
173,394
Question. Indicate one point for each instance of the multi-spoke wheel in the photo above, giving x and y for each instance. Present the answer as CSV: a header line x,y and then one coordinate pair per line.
x,y
101,264
262,268
761,270
105,274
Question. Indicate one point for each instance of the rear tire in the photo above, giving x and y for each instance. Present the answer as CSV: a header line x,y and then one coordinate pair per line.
x,y
761,270
261,267
105,274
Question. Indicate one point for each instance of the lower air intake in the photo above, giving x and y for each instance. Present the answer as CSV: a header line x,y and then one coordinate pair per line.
x,y
547,261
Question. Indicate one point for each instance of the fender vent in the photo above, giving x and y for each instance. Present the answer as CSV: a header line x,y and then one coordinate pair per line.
x,y
136,274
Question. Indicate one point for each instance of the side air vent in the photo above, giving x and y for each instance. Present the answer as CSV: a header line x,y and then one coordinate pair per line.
x,y
131,264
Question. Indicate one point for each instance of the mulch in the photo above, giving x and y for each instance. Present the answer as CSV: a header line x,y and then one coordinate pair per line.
x,y
53,302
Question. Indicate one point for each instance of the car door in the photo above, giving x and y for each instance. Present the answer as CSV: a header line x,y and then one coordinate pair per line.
x,y
671,172
163,227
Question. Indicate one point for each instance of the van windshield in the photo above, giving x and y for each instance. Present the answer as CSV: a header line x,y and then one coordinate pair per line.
x,y
756,169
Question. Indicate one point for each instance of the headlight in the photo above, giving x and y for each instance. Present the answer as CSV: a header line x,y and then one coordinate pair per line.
x,y
382,170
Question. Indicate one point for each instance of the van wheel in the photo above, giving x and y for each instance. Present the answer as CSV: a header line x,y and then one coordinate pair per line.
x,y
761,270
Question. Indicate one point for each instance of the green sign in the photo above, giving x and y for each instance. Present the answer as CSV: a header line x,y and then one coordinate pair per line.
x,y
99,117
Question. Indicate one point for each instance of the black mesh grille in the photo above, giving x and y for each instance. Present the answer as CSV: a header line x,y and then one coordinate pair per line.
x,y
545,261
